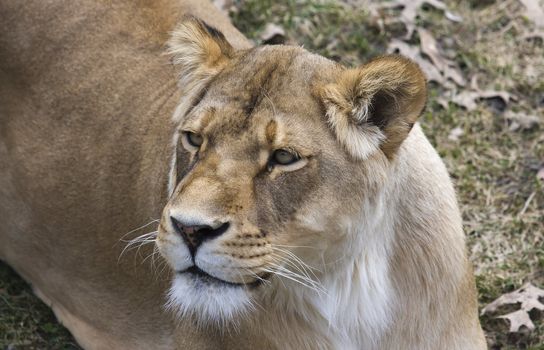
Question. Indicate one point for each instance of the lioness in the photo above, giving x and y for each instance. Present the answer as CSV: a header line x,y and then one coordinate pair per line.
x,y
300,206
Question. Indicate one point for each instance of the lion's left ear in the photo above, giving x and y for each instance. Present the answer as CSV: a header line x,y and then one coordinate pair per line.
x,y
200,52
375,106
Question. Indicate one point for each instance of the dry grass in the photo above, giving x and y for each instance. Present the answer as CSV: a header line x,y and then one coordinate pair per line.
x,y
494,168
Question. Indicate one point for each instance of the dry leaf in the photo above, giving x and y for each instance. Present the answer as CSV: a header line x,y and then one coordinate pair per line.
x,y
432,73
442,102
430,48
455,133
540,174
468,99
534,12
438,69
453,17
504,95
534,35
522,121
409,11
517,320
273,34
527,296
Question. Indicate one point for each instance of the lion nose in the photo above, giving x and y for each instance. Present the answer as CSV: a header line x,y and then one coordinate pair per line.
x,y
195,235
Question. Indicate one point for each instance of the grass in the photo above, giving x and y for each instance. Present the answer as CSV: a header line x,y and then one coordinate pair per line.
x,y
26,322
322,27
493,167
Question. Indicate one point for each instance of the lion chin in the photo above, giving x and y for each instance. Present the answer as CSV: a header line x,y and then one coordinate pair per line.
x,y
208,300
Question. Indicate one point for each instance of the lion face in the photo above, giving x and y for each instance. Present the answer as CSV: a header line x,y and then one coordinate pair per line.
x,y
270,170
257,174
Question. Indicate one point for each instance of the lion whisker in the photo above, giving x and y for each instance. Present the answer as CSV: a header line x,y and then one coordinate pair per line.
x,y
138,243
265,281
296,277
300,261
304,272
139,228
298,264
288,261
152,256
293,246
278,270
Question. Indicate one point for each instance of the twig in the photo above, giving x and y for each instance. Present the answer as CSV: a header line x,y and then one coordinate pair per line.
x,y
526,205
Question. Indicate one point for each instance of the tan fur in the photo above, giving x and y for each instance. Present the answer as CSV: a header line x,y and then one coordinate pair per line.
x,y
85,156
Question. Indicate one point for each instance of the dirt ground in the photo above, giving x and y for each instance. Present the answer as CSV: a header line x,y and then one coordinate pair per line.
x,y
485,115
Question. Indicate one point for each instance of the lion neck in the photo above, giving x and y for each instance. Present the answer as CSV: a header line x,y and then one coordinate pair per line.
x,y
351,307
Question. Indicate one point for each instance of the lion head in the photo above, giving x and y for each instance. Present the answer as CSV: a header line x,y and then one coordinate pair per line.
x,y
280,155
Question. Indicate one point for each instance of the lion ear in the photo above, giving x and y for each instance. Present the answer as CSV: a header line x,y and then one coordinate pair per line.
x,y
375,106
199,50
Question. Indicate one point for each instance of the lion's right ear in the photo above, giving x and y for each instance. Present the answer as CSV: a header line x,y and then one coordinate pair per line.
x,y
200,52
375,106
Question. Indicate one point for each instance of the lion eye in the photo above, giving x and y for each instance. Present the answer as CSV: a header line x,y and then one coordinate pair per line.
x,y
284,157
194,139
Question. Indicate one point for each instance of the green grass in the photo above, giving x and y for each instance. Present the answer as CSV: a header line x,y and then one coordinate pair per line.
x,y
493,168
26,322
324,27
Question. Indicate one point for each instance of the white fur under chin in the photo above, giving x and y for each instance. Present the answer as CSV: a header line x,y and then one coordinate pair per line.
x,y
209,303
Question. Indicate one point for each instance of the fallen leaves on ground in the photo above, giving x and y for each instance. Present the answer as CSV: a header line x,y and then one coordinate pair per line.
x,y
534,12
456,133
428,54
528,296
434,60
522,121
414,53
468,98
540,174
409,11
447,67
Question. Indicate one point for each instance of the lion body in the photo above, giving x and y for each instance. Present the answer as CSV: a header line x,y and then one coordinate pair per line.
x,y
86,103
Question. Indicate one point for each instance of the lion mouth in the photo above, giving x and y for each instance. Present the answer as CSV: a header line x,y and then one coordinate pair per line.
x,y
202,276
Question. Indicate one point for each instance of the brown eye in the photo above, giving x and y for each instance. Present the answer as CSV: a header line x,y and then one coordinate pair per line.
x,y
284,157
194,139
